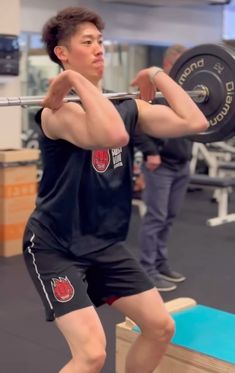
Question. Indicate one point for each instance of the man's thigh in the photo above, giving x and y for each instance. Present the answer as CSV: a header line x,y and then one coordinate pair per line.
x,y
83,330
58,278
116,273
146,309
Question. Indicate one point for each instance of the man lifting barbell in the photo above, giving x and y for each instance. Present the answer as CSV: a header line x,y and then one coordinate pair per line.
x,y
207,74
73,242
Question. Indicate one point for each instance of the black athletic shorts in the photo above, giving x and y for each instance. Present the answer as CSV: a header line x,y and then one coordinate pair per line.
x,y
66,282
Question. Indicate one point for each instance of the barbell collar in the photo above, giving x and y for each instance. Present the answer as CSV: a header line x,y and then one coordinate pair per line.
x,y
199,95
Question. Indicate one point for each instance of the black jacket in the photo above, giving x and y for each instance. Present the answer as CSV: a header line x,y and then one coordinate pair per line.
x,y
173,152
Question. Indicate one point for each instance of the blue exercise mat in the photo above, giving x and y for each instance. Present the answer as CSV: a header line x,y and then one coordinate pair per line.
x,y
206,330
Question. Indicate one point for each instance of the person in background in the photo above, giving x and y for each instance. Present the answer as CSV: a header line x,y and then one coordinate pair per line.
x,y
166,173
74,240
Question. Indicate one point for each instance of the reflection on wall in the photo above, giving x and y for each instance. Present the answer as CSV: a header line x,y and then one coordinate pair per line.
x,y
122,61
35,71
40,70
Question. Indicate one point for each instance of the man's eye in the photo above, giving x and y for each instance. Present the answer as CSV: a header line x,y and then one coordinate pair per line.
x,y
87,42
101,42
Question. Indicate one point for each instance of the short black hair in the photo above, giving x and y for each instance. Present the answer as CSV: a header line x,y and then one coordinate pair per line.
x,y
61,27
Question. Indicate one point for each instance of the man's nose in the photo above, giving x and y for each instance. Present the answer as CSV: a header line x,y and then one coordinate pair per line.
x,y
99,49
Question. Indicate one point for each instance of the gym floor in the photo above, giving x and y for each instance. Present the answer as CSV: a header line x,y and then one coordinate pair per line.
x,y
206,255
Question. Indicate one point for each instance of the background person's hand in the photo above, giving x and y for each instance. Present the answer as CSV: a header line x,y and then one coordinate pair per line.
x,y
153,162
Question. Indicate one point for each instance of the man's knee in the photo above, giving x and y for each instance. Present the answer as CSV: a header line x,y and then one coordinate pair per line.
x,y
92,359
161,331
168,329
96,359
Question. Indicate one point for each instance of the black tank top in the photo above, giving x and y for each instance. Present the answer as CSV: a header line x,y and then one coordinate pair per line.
x,y
84,197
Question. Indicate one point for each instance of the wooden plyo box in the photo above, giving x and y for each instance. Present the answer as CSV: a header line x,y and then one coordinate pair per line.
x,y
203,343
18,188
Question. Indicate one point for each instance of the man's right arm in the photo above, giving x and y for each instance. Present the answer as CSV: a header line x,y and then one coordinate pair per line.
x,y
93,124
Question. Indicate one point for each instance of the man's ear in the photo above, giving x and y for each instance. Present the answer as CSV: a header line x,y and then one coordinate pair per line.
x,y
61,53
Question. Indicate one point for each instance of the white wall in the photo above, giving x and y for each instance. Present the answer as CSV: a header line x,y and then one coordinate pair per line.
x,y
229,21
161,25
34,13
10,122
10,17
189,26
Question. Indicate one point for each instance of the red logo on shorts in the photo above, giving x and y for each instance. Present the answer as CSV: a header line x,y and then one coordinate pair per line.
x,y
62,289
100,160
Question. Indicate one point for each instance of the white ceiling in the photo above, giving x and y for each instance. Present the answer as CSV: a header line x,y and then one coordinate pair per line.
x,y
170,3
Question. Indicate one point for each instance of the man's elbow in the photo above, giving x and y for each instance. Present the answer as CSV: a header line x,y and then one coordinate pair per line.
x,y
200,125
105,141
119,140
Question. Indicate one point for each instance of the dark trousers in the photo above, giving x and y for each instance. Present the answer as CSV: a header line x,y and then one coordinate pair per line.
x,y
163,195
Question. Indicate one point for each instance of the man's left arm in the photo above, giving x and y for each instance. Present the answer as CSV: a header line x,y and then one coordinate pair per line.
x,y
181,118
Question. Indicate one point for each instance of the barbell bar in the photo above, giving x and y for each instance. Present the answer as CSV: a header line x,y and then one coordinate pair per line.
x,y
199,95
206,72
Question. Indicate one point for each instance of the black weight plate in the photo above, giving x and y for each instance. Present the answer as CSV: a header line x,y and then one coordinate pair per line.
x,y
214,67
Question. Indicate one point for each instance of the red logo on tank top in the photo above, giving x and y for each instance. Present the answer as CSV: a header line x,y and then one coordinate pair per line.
x,y
62,289
100,160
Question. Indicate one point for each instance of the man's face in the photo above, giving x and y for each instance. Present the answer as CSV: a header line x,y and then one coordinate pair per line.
x,y
85,52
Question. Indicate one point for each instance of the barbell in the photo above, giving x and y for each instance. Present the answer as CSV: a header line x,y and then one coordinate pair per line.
x,y
206,72
213,67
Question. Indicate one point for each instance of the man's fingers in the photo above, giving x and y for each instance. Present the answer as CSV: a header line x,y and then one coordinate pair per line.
x,y
134,83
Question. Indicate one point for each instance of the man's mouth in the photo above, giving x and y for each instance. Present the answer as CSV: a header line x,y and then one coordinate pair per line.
x,y
99,61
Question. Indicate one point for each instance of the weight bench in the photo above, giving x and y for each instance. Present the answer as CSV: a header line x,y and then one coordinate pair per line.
x,y
226,169
223,187
203,342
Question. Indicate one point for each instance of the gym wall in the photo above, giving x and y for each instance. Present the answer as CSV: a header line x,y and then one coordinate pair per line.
x,y
10,125
137,24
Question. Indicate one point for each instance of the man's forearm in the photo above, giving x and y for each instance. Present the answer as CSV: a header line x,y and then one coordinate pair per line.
x,y
178,99
102,119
